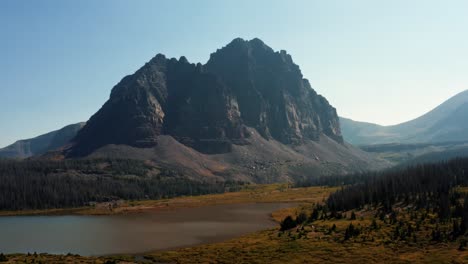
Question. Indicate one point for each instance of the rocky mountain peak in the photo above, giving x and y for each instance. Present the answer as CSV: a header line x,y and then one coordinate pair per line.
x,y
208,107
273,97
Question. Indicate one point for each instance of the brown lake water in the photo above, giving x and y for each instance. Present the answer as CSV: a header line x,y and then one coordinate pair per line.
x,y
134,233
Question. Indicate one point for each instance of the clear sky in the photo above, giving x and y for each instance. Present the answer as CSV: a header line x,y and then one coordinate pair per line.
x,y
377,61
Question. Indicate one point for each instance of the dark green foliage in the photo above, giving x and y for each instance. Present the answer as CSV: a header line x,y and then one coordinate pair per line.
x,y
458,211
444,206
455,229
463,244
315,215
287,223
331,180
420,190
425,186
464,219
301,218
351,231
3,258
436,234
41,184
403,231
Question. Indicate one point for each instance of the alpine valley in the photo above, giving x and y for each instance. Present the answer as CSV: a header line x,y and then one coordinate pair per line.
x,y
238,160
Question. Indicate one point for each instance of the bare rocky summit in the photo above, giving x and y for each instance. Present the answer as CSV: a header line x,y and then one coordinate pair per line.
x,y
209,107
272,94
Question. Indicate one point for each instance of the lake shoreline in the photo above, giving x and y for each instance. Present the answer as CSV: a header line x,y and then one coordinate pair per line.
x,y
136,235
272,193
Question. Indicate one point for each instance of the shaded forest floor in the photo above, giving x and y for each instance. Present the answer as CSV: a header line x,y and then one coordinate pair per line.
x,y
311,242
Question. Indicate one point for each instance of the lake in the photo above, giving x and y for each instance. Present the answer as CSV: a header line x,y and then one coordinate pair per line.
x,y
133,233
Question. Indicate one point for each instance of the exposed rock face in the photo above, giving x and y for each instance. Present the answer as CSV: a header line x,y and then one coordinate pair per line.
x,y
165,96
208,107
273,97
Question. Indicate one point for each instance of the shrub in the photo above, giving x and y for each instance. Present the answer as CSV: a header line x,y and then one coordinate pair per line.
x,y
301,218
288,223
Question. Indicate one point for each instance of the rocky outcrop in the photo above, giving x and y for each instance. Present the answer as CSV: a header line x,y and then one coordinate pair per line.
x,y
165,96
272,95
245,84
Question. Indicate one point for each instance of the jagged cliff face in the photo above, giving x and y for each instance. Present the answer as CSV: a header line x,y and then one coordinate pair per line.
x,y
208,107
201,112
165,96
272,95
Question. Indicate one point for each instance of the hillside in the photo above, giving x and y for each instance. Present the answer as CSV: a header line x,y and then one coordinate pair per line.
x,y
445,123
41,144
258,160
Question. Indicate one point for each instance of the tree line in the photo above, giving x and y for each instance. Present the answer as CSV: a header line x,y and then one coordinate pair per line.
x,y
424,185
433,187
44,184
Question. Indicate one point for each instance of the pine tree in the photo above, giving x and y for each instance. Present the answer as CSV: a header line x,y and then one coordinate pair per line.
x,y
455,229
287,223
463,244
301,218
353,216
464,220
351,231
315,214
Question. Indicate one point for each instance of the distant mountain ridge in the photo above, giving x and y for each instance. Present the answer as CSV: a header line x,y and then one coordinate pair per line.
x,y
41,144
445,123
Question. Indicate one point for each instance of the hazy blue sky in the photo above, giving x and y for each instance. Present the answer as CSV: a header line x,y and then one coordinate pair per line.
x,y
377,61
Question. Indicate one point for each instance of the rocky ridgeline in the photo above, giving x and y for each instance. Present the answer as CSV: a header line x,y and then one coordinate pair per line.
x,y
208,107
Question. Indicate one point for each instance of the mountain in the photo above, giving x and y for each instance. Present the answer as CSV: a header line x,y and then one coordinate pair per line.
x,y
403,154
363,133
41,144
165,96
445,123
245,84
272,94
247,113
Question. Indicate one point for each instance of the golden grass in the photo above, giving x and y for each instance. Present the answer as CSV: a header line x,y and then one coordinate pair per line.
x,y
313,243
